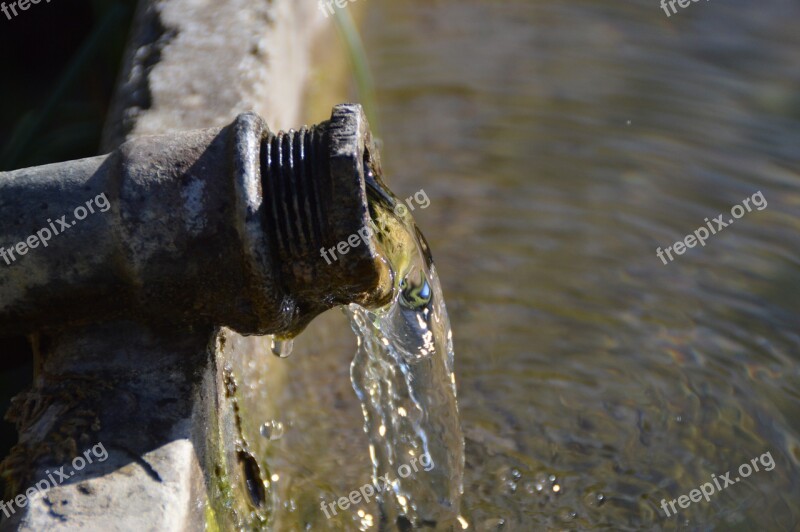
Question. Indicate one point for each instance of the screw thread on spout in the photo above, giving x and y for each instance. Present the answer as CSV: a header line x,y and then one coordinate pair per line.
x,y
314,212
296,183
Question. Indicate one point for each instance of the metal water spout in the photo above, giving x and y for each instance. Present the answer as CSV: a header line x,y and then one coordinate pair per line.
x,y
218,227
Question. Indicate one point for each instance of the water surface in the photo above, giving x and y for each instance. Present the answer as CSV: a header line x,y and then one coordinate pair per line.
x,y
561,144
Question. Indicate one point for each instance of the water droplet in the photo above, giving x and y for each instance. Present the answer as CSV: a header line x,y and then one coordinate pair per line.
x,y
272,430
494,524
511,478
282,348
415,293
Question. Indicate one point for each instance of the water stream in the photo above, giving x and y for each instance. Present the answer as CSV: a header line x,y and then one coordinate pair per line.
x,y
568,141
403,376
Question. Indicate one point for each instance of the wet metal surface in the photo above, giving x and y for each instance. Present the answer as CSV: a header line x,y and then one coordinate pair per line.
x,y
177,205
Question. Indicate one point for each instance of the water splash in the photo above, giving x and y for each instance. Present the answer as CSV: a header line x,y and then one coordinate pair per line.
x,y
403,376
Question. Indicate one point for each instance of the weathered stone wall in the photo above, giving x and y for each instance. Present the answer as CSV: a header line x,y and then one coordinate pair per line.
x,y
164,403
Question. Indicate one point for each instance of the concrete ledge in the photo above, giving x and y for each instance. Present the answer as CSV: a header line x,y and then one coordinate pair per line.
x,y
137,395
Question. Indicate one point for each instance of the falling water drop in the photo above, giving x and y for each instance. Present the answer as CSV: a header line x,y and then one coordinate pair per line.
x,y
282,348
272,430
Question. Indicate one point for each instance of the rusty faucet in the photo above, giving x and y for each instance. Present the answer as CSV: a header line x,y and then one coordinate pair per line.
x,y
219,226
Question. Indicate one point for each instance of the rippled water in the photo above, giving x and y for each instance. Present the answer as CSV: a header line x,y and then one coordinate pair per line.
x,y
560,144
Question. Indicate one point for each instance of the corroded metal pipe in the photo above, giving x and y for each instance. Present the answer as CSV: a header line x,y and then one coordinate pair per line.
x,y
216,226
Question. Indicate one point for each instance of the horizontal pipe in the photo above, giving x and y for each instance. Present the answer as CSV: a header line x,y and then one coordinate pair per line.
x,y
220,226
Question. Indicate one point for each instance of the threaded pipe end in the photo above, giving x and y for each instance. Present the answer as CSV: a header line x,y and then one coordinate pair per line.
x,y
314,214
296,181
